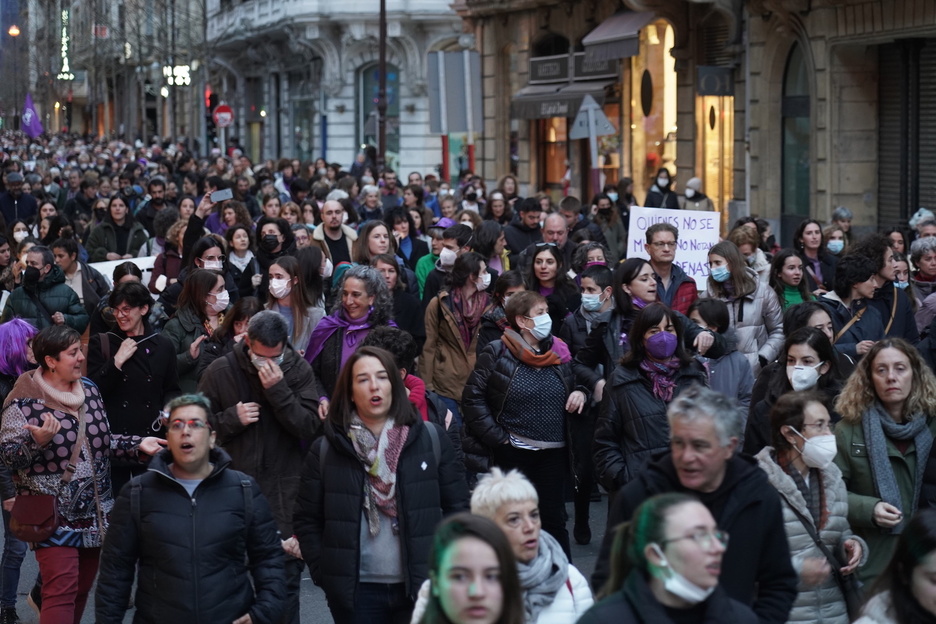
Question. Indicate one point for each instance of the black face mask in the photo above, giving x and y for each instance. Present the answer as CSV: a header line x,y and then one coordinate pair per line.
x,y
269,242
31,277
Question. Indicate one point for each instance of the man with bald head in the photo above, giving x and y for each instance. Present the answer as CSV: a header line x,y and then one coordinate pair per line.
x,y
332,235
555,230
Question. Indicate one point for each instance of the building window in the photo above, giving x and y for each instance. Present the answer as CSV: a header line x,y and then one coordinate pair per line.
x,y
796,128
368,89
653,100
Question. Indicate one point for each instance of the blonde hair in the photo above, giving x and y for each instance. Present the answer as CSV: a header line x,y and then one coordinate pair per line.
x,y
496,488
858,394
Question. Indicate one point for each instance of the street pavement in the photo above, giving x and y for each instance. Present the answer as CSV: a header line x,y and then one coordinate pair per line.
x,y
314,609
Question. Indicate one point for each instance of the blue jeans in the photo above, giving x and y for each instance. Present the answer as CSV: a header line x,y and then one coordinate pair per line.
x,y
377,603
14,551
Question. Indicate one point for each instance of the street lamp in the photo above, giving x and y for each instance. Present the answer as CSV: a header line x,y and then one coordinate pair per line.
x,y
14,32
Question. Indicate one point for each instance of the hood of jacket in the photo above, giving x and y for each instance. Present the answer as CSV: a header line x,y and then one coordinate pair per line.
x,y
784,483
217,456
52,278
518,224
319,232
924,288
660,476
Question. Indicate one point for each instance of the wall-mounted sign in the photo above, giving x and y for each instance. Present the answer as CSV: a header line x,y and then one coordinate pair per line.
x,y
66,73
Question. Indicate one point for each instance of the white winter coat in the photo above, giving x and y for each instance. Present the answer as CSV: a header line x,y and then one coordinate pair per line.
x,y
757,319
568,606
823,603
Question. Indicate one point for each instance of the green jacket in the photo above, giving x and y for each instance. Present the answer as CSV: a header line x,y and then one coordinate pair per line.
x,y
103,240
182,330
424,267
55,296
852,460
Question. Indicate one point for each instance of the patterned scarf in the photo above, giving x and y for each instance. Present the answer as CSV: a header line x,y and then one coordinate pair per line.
x,y
662,375
468,312
380,457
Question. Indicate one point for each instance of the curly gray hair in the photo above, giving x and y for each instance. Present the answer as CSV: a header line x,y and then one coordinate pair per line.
x,y
375,286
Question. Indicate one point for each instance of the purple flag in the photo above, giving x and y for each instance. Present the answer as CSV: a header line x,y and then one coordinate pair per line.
x,y
30,122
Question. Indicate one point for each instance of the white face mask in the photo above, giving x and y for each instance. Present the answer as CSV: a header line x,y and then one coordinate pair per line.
x,y
678,585
803,377
690,193
280,288
818,451
542,326
662,182
213,265
484,281
19,235
447,257
222,299
328,268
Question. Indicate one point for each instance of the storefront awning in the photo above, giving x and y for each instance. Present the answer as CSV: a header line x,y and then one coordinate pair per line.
x,y
617,37
543,101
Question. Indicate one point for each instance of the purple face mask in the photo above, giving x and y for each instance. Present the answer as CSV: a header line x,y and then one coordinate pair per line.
x,y
661,346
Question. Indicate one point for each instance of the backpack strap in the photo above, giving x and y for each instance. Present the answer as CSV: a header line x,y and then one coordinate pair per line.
x,y
248,502
135,488
323,455
105,346
436,447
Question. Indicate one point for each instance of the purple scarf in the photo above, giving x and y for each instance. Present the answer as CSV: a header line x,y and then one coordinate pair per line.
x,y
354,334
663,377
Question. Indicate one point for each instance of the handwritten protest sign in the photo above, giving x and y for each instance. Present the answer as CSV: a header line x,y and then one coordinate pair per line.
x,y
698,231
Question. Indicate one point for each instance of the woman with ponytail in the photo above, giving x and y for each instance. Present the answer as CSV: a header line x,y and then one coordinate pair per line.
x,y
665,568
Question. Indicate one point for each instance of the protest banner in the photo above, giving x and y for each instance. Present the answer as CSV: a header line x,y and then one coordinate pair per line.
x,y
698,232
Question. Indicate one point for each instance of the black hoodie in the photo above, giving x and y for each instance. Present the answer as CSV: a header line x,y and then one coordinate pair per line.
x,y
756,567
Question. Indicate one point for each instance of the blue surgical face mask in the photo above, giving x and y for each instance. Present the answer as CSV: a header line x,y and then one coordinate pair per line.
x,y
592,303
835,246
542,326
720,273
901,285
613,197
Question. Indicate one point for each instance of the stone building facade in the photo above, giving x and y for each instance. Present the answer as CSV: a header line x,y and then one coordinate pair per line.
x,y
784,108
302,76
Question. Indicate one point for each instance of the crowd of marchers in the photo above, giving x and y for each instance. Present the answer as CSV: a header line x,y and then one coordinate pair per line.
x,y
291,366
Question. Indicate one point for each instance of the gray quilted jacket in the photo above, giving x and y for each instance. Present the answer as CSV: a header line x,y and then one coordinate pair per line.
x,y
823,603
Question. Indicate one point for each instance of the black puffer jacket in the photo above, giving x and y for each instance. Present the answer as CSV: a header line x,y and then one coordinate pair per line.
x,y
604,346
483,400
328,511
635,604
632,423
199,561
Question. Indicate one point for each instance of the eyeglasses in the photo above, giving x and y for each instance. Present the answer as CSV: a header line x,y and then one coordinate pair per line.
x,y
124,311
662,244
703,538
213,258
194,425
258,361
822,425
546,245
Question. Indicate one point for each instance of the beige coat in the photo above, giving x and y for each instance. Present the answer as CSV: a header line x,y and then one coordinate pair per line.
x,y
446,362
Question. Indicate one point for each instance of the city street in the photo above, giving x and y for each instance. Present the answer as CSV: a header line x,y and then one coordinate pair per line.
x,y
314,607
